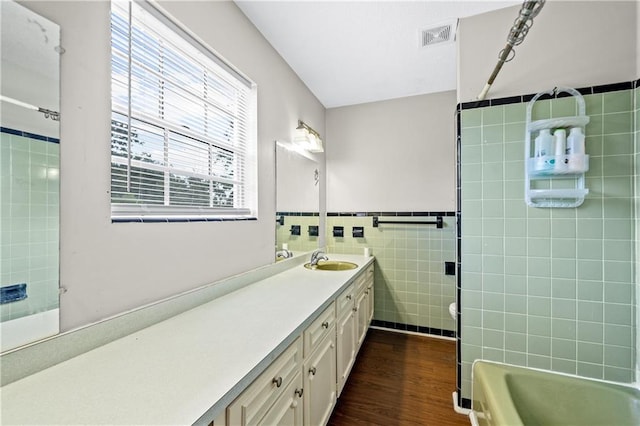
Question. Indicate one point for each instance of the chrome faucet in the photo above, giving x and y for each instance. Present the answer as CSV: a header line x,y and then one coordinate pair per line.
x,y
317,256
284,253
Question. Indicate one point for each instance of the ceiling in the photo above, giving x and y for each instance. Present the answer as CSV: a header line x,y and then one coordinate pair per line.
x,y
363,51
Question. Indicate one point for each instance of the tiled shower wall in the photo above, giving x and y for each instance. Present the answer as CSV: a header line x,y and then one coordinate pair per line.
x,y
29,220
548,288
637,216
412,291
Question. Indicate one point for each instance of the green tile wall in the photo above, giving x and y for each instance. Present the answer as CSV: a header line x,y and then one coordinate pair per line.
x,y
29,218
549,288
410,284
297,243
637,217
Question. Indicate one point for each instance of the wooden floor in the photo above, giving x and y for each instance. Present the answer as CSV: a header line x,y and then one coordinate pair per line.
x,y
400,379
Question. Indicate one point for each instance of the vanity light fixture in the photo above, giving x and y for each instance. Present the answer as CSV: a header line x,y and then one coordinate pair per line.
x,y
307,138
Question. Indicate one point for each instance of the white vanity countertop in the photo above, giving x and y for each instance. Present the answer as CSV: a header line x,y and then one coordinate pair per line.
x,y
177,370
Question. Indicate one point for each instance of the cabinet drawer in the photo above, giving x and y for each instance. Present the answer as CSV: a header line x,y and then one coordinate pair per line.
x,y
255,401
344,302
319,328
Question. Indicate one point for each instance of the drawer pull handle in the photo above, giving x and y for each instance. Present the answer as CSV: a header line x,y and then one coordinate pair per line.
x,y
277,381
325,324
366,292
349,296
299,392
312,370
355,309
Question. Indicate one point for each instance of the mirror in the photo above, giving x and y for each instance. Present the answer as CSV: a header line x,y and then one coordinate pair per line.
x,y
297,200
29,163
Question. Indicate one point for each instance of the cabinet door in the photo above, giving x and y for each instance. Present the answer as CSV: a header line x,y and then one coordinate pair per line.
x,y
370,301
362,316
255,401
287,410
320,382
346,347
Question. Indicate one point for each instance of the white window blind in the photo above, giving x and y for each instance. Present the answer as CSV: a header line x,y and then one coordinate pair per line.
x,y
183,132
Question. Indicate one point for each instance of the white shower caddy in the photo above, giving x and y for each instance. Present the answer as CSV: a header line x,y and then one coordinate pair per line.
x,y
552,167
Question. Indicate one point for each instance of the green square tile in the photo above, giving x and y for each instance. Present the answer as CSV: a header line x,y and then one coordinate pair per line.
x,y
515,265
516,342
539,287
493,339
493,172
514,170
563,228
539,247
593,104
594,145
563,328
493,208
617,208
515,284
541,110
563,248
492,264
590,311
617,165
590,352
590,290
539,267
620,335
539,326
472,335
617,187
493,301
516,304
618,229
588,228
471,173
493,283
619,122
563,288
492,320
620,101
618,144
539,306
539,345
564,366
492,115
591,208
471,136
513,190
471,190
563,348
595,126
589,270
471,117
590,332
618,250
471,154
539,213
493,354
618,292
623,375
539,361
515,113
618,356
621,272
515,132
540,228
564,107
493,227
492,190
563,309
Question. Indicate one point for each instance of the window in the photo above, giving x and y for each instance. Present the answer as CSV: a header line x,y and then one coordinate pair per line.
x,y
183,133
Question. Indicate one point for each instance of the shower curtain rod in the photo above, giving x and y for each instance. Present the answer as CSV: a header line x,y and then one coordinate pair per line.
x,y
54,115
518,32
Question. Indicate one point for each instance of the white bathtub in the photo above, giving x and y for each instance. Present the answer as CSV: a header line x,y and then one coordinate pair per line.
x,y
20,331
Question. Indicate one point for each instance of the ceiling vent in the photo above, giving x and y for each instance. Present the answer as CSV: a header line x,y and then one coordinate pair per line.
x,y
439,34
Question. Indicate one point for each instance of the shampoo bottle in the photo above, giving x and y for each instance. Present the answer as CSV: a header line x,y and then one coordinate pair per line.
x,y
575,141
560,137
543,142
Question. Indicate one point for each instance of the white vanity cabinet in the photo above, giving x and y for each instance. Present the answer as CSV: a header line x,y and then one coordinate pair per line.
x,y
302,385
319,370
272,392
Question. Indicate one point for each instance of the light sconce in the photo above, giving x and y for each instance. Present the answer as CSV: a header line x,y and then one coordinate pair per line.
x,y
307,138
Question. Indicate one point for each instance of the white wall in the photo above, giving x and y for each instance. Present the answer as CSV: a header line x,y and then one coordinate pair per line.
x,y
575,44
110,268
395,155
